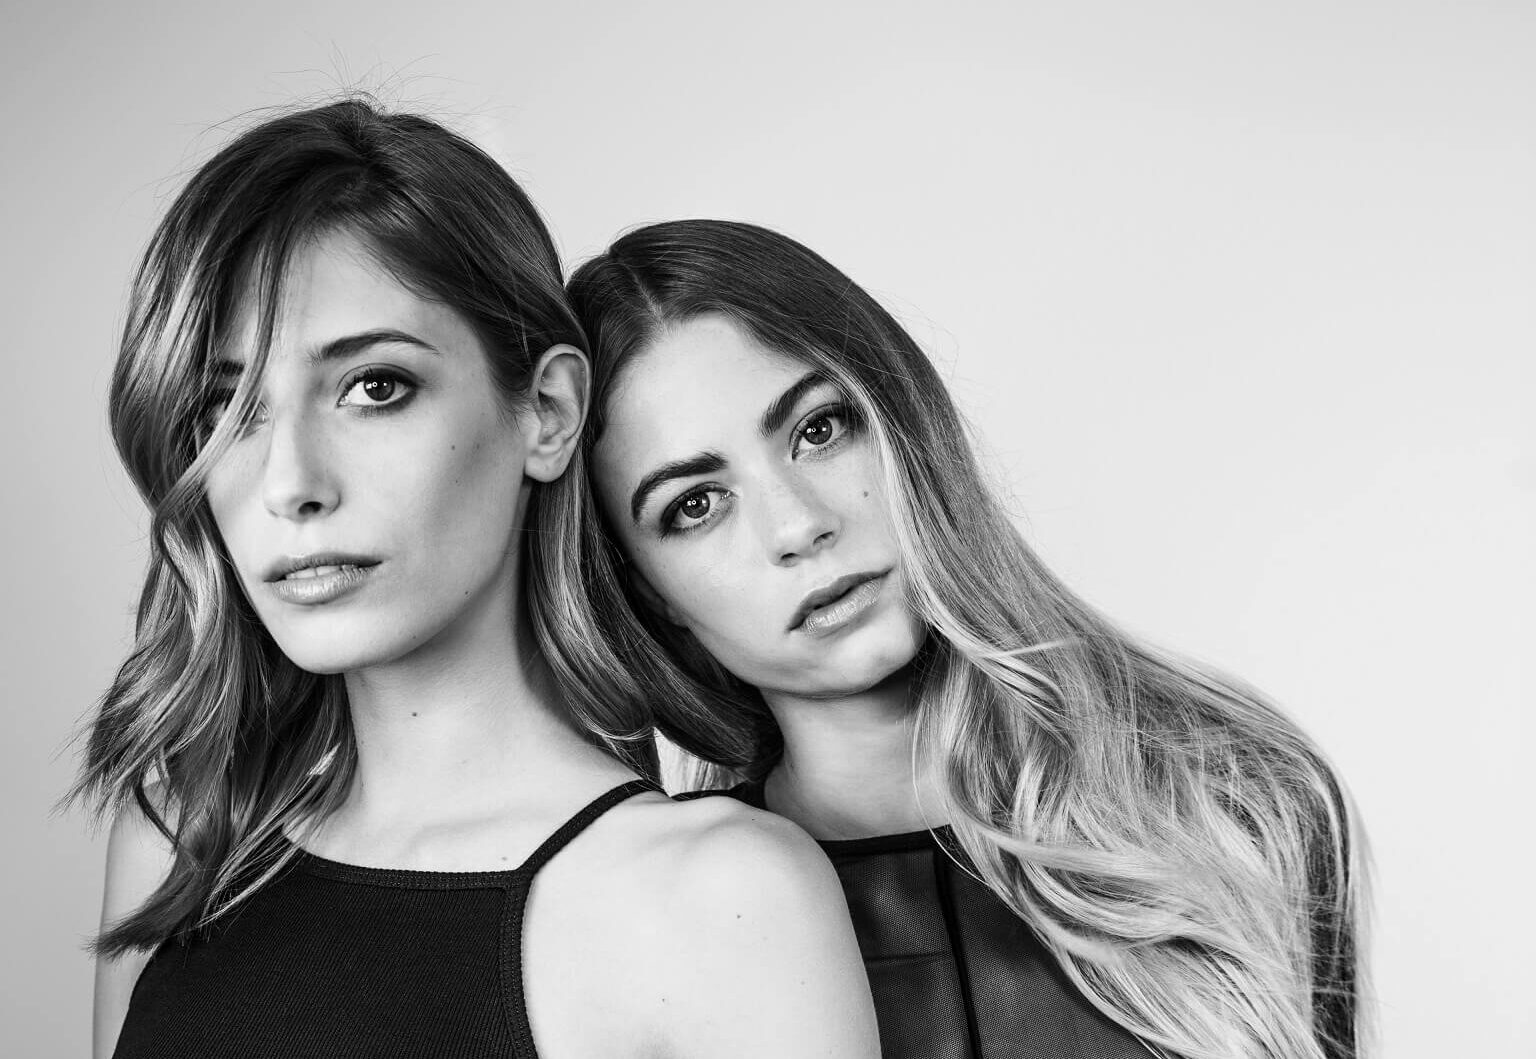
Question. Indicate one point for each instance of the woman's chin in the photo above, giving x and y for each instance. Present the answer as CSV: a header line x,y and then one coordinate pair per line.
x,y
863,667
327,653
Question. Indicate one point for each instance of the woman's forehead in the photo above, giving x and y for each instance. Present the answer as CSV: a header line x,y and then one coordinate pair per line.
x,y
331,286
706,356
703,386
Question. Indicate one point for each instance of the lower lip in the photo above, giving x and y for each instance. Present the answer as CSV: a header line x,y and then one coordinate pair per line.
x,y
312,591
844,611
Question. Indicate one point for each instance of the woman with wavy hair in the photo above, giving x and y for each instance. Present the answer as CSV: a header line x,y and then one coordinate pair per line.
x,y
1055,840
336,757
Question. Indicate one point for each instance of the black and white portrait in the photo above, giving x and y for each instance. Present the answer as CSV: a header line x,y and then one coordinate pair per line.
x,y
694,530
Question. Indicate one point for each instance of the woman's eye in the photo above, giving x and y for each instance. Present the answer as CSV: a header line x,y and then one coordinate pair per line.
x,y
818,431
214,408
379,390
217,407
375,389
693,510
695,507
823,429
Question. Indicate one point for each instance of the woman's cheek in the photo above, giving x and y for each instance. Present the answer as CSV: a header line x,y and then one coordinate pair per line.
x,y
718,579
706,607
712,609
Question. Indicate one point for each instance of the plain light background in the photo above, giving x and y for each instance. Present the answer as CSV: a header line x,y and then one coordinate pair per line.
x,y
1238,296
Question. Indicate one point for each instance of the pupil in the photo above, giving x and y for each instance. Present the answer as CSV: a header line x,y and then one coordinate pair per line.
x,y
379,389
696,507
818,431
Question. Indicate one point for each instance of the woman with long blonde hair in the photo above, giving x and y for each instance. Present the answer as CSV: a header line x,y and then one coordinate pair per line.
x,y
1056,841
354,815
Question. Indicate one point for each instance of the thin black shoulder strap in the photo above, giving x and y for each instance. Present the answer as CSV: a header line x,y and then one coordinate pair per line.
x,y
516,908
582,820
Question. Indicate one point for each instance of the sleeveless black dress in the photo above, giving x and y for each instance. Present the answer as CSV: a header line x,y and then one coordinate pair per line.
x,y
954,973
337,960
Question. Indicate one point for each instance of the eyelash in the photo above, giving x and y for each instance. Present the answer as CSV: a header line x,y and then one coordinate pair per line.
x,y
836,410
213,411
218,402
669,528
378,374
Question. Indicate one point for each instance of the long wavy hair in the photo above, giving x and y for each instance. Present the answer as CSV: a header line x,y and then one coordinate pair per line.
x,y
1182,848
223,743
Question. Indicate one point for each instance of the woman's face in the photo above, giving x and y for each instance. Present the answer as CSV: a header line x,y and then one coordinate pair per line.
x,y
747,500
371,504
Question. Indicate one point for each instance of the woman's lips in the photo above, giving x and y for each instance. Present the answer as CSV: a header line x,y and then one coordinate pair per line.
x,y
828,615
321,583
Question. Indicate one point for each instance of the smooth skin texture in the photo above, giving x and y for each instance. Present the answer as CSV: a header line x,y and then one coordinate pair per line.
x,y
770,517
402,450
781,515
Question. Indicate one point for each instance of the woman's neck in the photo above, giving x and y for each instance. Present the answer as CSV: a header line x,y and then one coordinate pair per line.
x,y
464,734
847,769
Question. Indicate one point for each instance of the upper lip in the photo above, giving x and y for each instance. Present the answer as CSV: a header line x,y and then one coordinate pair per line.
x,y
830,591
293,563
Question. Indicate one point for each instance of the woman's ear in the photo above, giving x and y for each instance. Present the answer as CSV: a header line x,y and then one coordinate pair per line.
x,y
652,599
560,391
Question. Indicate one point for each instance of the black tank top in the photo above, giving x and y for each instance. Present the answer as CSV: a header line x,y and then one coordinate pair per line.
x,y
954,973
338,960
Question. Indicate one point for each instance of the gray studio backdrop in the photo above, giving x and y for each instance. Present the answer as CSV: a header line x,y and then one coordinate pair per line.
x,y
1238,298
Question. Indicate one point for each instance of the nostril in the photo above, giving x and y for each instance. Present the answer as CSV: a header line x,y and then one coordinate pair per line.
x,y
310,507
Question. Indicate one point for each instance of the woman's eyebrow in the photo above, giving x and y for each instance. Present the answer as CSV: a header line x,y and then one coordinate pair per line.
x,y
708,462
350,345
703,463
337,349
784,404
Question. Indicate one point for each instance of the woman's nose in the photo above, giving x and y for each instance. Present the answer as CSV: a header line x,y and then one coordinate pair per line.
x,y
799,522
297,481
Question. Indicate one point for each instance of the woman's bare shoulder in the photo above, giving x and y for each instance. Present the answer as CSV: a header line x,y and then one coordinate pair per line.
x,y
751,949
719,846
139,855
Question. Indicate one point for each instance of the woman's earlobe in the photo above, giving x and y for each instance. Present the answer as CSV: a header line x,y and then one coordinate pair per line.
x,y
560,391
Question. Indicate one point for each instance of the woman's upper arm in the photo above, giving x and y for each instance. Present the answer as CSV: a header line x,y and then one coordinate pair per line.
x,y
767,964
138,859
